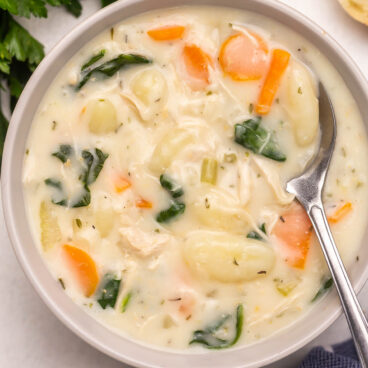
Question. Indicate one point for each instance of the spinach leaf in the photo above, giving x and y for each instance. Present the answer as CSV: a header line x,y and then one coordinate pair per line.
x,y
171,186
83,200
254,234
176,208
323,289
56,184
93,59
92,164
64,153
99,163
250,134
208,338
125,302
109,68
109,292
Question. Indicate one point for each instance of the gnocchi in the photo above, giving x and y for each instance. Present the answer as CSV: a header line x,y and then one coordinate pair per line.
x,y
102,117
228,258
302,104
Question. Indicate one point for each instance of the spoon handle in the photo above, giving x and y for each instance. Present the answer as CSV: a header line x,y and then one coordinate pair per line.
x,y
354,314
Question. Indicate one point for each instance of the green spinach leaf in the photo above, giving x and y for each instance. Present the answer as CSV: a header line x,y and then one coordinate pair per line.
x,y
93,59
109,292
208,338
255,235
83,199
176,208
92,164
326,285
64,153
251,135
171,186
109,68
61,199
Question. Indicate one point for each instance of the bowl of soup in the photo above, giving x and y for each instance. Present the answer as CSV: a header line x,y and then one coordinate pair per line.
x,y
144,181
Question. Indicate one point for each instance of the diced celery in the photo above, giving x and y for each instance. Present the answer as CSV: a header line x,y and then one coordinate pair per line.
x,y
209,171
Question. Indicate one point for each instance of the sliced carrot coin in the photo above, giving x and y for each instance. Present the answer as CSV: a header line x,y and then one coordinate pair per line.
x,y
279,62
121,184
166,33
294,230
243,56
142,203
197,64
340,213
83,267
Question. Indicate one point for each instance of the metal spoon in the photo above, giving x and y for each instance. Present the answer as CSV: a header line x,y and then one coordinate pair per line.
x,y
308,189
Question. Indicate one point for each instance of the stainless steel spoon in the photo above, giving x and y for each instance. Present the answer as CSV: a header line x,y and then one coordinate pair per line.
x,y
308,189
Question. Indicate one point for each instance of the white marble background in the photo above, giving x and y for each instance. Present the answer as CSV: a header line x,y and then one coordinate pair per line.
x,y
30,335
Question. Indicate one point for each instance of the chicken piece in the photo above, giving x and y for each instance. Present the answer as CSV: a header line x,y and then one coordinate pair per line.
x,y
141,242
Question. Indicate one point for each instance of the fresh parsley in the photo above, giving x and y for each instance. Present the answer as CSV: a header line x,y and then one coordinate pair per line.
x,y
20,52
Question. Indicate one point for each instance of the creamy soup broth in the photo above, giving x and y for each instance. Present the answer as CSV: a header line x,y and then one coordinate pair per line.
x,y
155,191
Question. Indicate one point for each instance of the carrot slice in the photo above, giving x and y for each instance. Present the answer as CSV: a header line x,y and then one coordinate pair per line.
x,y
121,184
243,56
340,213
83,267
279,63
294,230
142,203
166,33
197,64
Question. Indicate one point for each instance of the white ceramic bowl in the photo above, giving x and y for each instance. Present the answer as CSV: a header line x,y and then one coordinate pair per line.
x,y
264,352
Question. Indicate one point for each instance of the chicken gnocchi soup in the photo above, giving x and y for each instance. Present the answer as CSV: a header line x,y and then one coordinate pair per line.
x,y
155,171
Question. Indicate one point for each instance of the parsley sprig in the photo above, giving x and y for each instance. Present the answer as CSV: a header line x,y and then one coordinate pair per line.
x,y
20,53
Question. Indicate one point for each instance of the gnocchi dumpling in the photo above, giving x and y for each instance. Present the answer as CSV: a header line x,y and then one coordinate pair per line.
x,y
214,208
227,258
169,146
50,230
302,104
104,221
150,87
102,117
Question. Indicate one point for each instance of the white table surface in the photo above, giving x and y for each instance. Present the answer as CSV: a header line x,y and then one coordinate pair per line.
x,y
30,335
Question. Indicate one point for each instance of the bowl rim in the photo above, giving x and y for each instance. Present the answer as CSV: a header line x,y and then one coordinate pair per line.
x,y
11,157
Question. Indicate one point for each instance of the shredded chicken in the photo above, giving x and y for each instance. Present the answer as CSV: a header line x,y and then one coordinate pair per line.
x,y
143,243
273,179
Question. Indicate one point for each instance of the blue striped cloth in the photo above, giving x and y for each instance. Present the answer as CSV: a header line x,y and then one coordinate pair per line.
x,y
342,355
